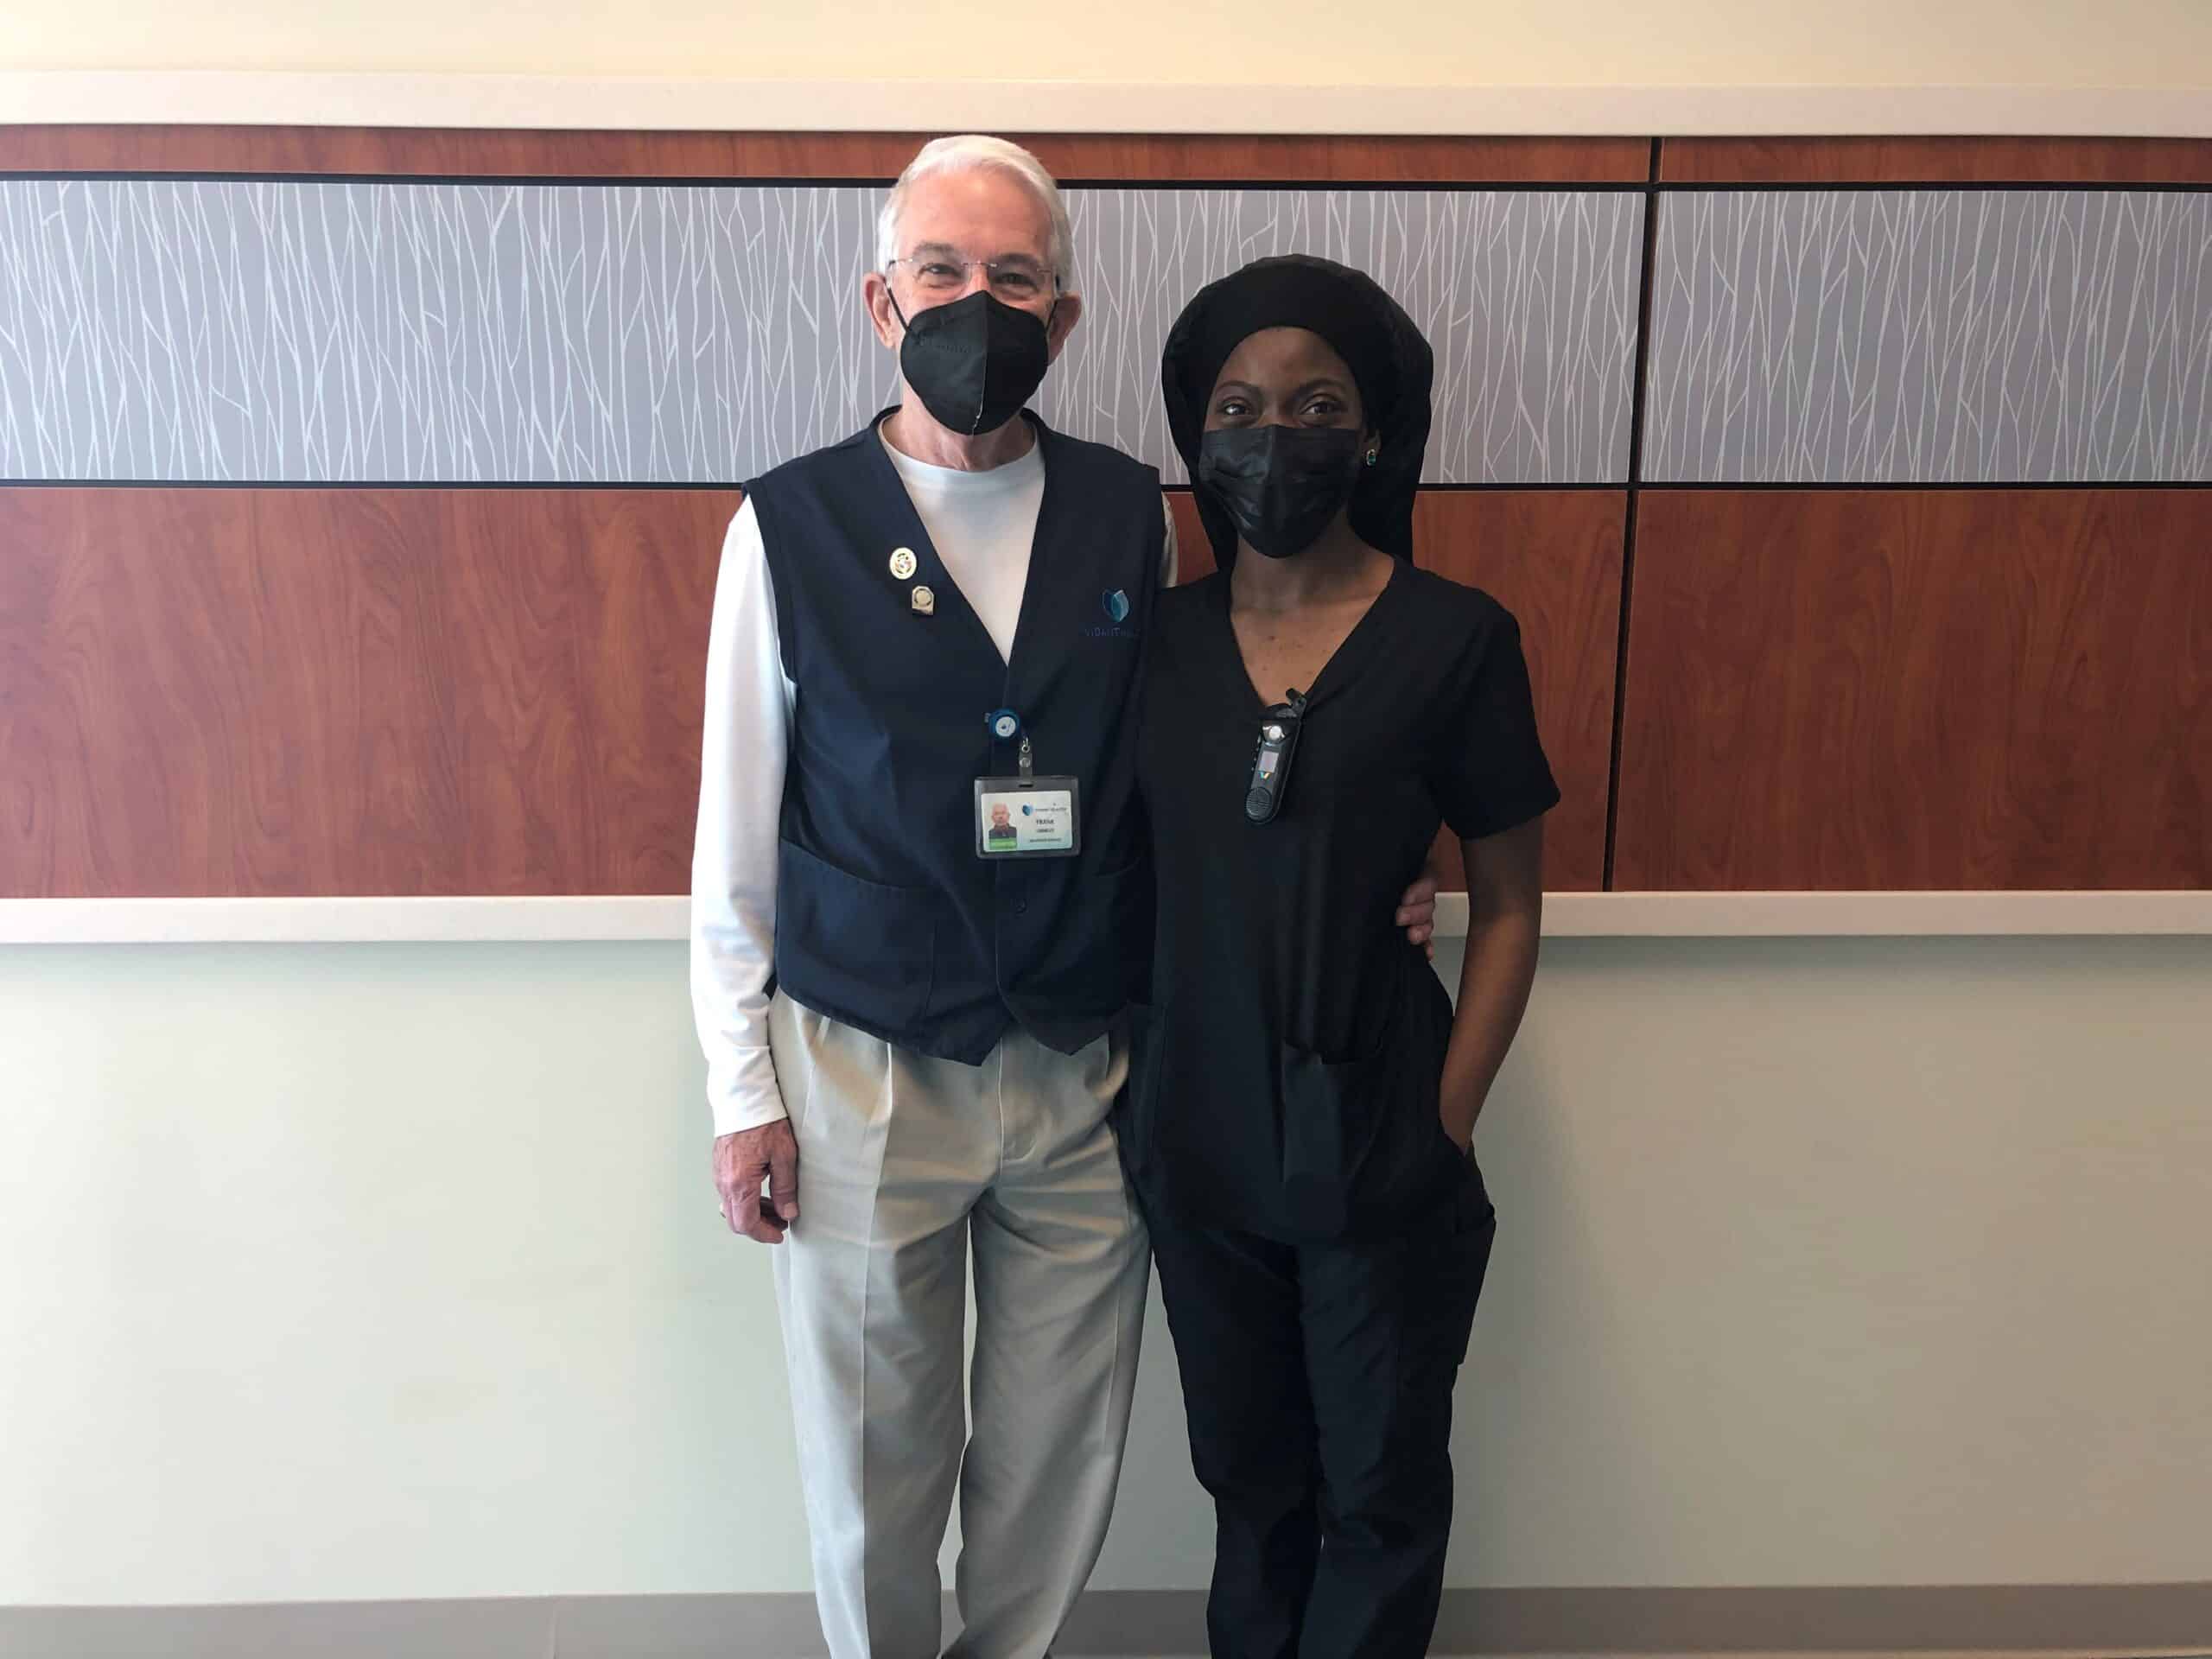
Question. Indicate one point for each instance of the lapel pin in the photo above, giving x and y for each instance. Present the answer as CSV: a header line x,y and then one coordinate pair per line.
x,y
903,564
924,602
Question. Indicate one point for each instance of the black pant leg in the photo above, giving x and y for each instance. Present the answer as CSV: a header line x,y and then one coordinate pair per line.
x,y
1232,1305
1386,1322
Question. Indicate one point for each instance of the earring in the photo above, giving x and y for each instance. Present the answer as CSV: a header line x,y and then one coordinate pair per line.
x,y
1371,454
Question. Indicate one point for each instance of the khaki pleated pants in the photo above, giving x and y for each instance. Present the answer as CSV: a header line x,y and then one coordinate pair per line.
x,y
908,1166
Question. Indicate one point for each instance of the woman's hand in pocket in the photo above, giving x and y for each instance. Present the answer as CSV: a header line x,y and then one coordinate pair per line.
x,y
1457,1114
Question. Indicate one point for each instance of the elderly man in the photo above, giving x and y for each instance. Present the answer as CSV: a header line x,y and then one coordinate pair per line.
x,y
924,636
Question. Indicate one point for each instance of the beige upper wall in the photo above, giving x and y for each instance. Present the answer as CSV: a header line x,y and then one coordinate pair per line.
x,y
2164,44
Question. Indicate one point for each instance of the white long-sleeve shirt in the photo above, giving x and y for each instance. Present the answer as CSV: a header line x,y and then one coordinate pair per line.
x,y
982,525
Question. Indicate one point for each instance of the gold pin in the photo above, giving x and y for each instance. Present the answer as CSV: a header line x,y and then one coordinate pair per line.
x,y
924,602
903,564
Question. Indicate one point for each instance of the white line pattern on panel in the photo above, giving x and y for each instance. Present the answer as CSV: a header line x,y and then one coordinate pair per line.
x,y
1527,298
1899,336
348,331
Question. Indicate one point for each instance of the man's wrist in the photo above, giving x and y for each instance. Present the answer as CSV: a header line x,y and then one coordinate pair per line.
x,y
736,1117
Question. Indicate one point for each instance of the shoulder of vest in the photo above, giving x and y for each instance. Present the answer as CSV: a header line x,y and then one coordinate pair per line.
x,y
811,467
1110,465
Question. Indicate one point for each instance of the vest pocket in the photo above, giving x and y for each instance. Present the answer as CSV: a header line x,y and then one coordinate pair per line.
x,y
859,950
1089,949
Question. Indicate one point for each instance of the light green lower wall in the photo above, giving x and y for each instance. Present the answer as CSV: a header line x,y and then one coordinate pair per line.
x,y
392,1272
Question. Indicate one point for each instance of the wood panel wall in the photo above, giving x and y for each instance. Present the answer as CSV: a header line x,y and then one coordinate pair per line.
x,y
1936,161
280,691
1073,158
258,692
1919,688
1910,687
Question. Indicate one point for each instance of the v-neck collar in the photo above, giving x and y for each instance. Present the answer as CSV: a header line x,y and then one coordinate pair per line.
x,y
1343,662
928,560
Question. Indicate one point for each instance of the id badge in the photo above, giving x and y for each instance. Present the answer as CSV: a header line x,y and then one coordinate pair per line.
x,y
1027,817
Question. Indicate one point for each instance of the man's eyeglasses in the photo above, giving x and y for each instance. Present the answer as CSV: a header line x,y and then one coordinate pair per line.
x,y
1016,280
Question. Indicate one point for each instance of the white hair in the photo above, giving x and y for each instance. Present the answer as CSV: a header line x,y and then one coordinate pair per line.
x,y
969,152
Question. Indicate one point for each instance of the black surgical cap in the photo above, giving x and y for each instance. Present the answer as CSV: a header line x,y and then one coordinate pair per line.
x,y
1389,359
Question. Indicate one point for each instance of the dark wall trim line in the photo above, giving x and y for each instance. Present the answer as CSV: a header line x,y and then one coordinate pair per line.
x,y
694,181
1423,187
1637,399
1939,187
1925,486
350,484
1611,486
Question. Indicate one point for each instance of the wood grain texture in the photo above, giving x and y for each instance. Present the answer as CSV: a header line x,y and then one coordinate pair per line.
x,y
1553,557
1919,689
280,692
1936,161
1292,160
1073,157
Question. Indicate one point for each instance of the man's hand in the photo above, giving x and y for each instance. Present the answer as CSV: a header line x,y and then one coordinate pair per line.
x,y
742,1162
1417,913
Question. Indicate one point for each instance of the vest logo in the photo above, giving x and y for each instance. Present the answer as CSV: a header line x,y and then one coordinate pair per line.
x,y
1115,601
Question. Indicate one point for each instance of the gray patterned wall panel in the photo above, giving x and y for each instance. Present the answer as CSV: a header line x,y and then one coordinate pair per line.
x,y
1529,299
317,333
326,333
1889,337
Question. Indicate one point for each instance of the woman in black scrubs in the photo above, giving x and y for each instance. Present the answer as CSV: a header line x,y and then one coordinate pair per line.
x,y
1305,1096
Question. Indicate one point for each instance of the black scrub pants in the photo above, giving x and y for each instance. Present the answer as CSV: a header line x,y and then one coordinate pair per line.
x,y
1318,1380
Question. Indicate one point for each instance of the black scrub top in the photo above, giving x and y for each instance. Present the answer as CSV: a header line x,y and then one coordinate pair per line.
x,y
1284,1075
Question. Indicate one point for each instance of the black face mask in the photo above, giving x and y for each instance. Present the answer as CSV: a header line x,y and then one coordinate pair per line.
x,y
1281,484
973,363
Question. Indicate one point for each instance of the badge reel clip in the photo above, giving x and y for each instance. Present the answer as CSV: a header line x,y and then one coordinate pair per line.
x,y
1271,758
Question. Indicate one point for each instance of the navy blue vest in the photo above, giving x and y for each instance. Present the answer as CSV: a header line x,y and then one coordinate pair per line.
x,y
886,919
